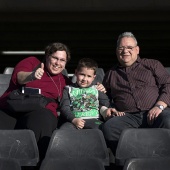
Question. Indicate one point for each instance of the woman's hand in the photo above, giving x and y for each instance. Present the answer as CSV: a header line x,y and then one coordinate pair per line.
x,y
100,87
39,72
25,77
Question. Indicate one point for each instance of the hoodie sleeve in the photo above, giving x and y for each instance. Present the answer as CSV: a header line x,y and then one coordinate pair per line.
x,y
65,106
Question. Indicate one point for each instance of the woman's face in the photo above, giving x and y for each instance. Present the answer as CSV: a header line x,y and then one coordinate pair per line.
x,y
56,62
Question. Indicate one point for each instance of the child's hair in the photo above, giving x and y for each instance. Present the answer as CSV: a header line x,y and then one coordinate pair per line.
x,y
87,63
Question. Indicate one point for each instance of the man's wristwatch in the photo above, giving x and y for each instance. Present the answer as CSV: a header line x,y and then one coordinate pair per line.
x,y
160,106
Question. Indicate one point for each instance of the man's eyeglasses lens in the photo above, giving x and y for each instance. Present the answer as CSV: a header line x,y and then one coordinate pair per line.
x,y
129,48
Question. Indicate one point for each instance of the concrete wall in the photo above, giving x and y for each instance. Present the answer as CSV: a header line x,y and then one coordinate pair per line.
x,y
82,5
89,28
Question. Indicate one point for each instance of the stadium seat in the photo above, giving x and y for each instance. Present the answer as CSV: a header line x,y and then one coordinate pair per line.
x,y
168,69
4,82
9,164
86,143
20,145
8,70
143,143
6,76
72,164
100,75
64,72
147,164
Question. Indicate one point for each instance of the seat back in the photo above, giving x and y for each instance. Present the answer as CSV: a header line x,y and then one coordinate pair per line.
x,y
9,164
86,143
6,76
64,72
72,164
100,75
20,145
142,143
168,69
8,70
4,82
161,163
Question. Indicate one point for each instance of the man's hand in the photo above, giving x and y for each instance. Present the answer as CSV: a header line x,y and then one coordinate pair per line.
x,y
153,114
111,112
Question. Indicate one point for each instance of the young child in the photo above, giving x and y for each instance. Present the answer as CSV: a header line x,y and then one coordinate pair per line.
x,y
81,101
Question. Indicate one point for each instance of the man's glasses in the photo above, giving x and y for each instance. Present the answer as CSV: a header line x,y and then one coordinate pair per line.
x,y
128,48
58,59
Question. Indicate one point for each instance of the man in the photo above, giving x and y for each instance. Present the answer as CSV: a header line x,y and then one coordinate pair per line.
x,y
138,87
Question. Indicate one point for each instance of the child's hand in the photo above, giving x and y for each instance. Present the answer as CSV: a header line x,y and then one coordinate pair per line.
x,y
78,122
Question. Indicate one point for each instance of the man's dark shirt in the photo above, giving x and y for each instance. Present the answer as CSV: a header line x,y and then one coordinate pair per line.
x,y
138,87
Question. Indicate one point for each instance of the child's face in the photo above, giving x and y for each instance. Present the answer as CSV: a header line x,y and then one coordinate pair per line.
x,y
85,76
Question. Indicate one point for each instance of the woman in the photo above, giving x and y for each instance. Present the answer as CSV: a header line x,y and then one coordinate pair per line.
x,y
47,76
